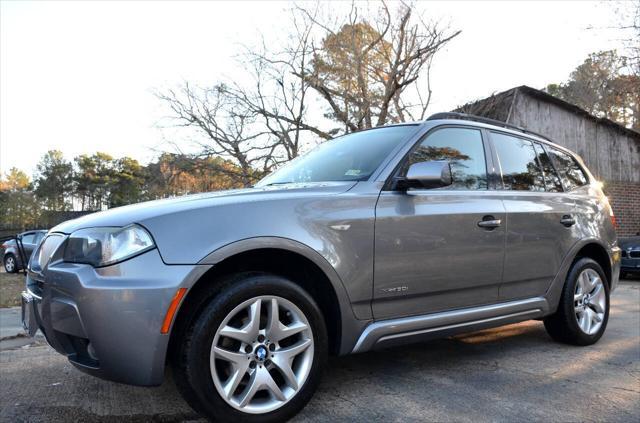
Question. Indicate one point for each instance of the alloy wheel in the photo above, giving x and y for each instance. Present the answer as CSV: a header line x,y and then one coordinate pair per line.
x,y
590,301
10,264
261,354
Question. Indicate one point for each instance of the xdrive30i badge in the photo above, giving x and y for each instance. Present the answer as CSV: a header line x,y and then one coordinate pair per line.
x,y
395,289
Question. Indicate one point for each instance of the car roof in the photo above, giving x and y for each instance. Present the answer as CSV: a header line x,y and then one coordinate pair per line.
x,y
494,127
454,118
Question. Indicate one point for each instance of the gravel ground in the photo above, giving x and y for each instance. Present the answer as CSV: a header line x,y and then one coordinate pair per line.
x,y
515,373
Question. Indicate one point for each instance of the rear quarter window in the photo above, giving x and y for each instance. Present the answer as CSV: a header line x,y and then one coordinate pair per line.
x,y
570,172
551,178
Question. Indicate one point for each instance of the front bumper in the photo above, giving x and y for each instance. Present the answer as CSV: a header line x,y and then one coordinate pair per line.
x,y
107,321
630,264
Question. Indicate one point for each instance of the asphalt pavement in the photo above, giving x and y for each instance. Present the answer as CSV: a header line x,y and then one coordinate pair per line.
x,y
515,373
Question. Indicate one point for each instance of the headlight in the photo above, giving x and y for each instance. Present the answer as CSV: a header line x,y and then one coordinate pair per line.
x,y
104,246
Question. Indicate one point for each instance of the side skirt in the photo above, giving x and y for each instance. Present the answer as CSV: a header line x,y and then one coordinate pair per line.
x,y
386,333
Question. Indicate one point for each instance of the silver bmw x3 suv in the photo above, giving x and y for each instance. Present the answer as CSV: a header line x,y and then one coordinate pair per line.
x,y
381,237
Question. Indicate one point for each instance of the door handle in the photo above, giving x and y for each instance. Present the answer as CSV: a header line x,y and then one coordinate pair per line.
x,y
567,220
489,222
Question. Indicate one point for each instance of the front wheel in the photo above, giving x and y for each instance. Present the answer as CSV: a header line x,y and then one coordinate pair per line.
x,y
583,312
256,352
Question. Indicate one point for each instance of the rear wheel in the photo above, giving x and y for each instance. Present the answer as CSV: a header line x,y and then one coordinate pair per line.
x,y
583,312
256,351
10,264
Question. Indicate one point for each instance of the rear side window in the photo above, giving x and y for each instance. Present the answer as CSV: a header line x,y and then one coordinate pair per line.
x,y
463,149
518,163
551,178
28,238
570,171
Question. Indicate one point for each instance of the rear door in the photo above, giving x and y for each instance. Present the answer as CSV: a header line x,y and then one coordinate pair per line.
x,y
587,214
537,240
430,253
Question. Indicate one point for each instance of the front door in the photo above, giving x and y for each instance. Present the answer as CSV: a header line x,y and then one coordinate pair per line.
x,y
430,253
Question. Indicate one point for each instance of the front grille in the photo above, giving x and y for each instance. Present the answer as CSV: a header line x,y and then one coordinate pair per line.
x,y
634,254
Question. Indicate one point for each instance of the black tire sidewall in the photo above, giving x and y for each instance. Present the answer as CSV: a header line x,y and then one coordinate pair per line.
x,y
239,289
567,302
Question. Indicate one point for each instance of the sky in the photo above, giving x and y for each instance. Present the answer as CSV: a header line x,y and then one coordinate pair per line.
x,y
80,76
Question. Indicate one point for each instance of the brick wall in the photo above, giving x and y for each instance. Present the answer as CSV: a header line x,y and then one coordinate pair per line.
x,y
625,200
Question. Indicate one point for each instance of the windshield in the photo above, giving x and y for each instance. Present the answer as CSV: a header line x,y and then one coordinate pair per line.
x,y
352,157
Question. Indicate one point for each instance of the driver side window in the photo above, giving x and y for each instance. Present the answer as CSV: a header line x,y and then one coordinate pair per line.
x,y
463,149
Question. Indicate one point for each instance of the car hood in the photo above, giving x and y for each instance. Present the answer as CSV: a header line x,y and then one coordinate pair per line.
x,y
138,213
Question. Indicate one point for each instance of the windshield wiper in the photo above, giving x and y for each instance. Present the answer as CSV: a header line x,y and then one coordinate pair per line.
x,y
279,183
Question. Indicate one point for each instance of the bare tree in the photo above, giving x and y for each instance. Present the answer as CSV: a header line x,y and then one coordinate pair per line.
x,y
278,96
360,67
364,66
630,25
228,128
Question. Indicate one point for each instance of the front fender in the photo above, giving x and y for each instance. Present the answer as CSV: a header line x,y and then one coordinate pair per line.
x,y
351,326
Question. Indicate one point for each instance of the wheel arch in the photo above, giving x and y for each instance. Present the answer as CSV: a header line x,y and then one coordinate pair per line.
x,y
591,248
283,257
598,253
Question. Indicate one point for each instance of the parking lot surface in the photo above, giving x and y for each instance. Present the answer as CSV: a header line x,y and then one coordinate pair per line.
x,y
514,373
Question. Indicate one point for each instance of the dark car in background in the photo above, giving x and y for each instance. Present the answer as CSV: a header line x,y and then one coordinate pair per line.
x,y
11,257
630,247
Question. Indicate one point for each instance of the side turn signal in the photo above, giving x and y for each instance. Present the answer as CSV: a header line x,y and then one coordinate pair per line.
x,y
171,311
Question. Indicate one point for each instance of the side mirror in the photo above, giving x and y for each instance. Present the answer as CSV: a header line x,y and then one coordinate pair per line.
x,y
434,174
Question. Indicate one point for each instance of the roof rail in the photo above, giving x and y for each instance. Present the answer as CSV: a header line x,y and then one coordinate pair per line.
x,y
481,119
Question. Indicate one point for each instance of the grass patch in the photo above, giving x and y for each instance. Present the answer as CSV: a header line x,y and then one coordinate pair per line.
x,y
11,285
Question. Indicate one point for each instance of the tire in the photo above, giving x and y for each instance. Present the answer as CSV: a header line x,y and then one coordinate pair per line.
x,y
10,263
583,311
223,333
